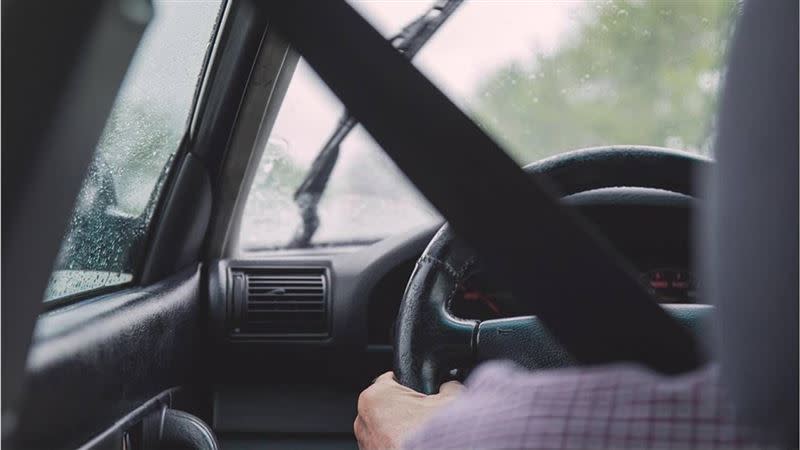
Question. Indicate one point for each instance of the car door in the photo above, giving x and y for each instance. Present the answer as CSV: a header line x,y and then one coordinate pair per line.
x,y
117,346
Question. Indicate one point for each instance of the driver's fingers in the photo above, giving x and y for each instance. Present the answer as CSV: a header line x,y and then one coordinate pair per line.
x,y
451,387
359,431
387,376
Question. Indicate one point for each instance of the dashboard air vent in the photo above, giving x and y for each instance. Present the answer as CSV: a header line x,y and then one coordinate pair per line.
x,y
280,303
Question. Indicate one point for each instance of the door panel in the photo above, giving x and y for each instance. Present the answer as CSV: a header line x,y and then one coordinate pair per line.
x,y
96,361
59,85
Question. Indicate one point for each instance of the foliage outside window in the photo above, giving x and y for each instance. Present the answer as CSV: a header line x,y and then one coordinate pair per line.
x,y
542,78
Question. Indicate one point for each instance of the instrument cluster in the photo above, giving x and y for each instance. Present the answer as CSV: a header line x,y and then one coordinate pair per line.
x,y
480,298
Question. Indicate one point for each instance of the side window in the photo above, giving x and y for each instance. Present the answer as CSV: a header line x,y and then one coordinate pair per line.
x,y
104,239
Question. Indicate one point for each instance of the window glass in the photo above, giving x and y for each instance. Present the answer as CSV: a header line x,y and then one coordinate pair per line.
x,y
541,77
545,77
366,199
103,242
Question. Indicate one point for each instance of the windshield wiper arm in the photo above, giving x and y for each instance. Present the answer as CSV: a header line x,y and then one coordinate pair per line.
x,y
408,42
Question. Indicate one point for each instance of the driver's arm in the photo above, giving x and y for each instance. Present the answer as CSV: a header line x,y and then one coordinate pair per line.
x,y
502,406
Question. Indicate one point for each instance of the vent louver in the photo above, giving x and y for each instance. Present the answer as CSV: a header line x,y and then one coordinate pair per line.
x,y
280,303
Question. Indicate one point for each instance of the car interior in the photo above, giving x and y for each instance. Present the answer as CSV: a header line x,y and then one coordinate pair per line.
x,y
190,261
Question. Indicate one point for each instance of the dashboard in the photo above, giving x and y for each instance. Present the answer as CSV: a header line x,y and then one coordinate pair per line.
x,y
652,228
358,290
280,319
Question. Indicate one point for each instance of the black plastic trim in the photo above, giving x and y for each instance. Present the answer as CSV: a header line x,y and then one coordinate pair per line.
x,y
60,302
222,305
108,438
353,276
526,341
58,93
180,429
94,362
269,80
177,239
236,50
234,321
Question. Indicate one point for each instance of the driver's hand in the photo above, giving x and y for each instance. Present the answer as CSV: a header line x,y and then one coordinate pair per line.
x,y
387,411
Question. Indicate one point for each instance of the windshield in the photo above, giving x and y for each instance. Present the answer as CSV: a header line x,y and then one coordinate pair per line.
x,y
541,78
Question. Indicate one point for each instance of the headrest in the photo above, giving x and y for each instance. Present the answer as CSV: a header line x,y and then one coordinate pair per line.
x,y
750,252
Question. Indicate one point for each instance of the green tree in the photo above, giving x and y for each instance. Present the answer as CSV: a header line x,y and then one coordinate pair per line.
x,y
632,72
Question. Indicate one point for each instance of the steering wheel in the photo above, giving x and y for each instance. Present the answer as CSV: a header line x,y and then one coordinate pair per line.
x,y
430,341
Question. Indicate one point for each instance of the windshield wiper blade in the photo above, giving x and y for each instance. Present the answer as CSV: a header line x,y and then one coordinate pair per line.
x,y
408,42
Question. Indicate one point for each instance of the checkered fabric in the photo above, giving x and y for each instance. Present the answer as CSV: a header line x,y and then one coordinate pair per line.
x,y
610,407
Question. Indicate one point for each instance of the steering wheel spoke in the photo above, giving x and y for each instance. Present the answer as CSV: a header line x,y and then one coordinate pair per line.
x,y
525,340
435,340
522,340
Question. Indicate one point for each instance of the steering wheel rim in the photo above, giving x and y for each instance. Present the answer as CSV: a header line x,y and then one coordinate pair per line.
x,y
429,339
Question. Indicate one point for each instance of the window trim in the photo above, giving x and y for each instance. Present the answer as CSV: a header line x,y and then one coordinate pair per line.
x,y
275,62
66,300
218,120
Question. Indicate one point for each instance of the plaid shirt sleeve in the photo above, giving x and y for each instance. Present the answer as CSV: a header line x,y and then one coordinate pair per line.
x,y
610,407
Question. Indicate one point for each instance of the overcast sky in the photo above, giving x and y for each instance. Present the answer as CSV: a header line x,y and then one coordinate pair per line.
x,y
479,38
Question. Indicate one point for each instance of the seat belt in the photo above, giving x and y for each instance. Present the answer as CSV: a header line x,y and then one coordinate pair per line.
x,y
585,292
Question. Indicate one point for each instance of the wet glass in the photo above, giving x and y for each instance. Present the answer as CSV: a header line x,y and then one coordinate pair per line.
x,y
106,234
540,77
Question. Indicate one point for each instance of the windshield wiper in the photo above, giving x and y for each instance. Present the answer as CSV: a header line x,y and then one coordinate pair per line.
x,y
408,42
